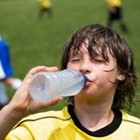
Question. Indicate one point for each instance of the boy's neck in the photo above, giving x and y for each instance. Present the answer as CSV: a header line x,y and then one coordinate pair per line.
x,y
94,117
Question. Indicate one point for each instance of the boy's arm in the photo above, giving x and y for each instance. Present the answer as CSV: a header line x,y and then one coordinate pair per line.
x,y
8,118
22,104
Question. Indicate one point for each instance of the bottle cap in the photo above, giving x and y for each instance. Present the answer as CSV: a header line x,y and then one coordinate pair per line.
x,y
85,78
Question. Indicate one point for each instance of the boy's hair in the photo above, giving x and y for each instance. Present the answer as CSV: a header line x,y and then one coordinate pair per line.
x,y
103,39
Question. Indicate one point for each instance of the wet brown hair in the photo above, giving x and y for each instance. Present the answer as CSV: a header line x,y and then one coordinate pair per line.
x,y
102,38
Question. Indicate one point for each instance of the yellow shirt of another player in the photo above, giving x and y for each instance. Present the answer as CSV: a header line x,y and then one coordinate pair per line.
x,y
114,2
45,3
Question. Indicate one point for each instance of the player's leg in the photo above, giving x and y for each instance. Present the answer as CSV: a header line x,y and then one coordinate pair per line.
x,y
4,99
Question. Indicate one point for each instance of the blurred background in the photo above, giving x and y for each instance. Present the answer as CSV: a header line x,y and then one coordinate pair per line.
x,y
38,40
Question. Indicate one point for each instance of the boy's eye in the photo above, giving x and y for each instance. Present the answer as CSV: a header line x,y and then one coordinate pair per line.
x,y
99,60
75,59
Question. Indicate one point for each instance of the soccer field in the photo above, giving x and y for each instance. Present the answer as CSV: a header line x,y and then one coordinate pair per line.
x,y
34,41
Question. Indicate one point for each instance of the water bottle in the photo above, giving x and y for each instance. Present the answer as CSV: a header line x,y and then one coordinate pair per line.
x,y
47,85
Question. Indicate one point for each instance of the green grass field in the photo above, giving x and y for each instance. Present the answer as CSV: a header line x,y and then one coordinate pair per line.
x,y
35,41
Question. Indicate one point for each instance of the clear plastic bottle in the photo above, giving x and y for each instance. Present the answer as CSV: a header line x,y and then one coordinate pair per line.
x,y
47,85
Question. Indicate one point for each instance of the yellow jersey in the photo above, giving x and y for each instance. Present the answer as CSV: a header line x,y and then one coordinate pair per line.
x,y
64,125
45,3
115,3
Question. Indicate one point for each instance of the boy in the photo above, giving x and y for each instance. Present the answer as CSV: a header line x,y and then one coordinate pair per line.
x,y
98,111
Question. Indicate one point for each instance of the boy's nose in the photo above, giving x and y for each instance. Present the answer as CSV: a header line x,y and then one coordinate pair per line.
x,y
85,67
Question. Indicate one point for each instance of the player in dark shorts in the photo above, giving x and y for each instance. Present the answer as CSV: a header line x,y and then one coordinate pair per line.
x,y
115,14
45,7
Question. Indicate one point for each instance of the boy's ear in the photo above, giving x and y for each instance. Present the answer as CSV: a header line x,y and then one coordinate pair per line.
x,y
121,77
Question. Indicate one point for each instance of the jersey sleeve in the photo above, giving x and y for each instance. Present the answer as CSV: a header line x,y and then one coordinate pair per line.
x,y
22,132
6,69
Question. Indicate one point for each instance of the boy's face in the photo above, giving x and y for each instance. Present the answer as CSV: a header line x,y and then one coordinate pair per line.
x,y
102,75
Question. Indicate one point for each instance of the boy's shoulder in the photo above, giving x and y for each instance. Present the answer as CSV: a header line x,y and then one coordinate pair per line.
x,y
127,116
130,120
62,113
